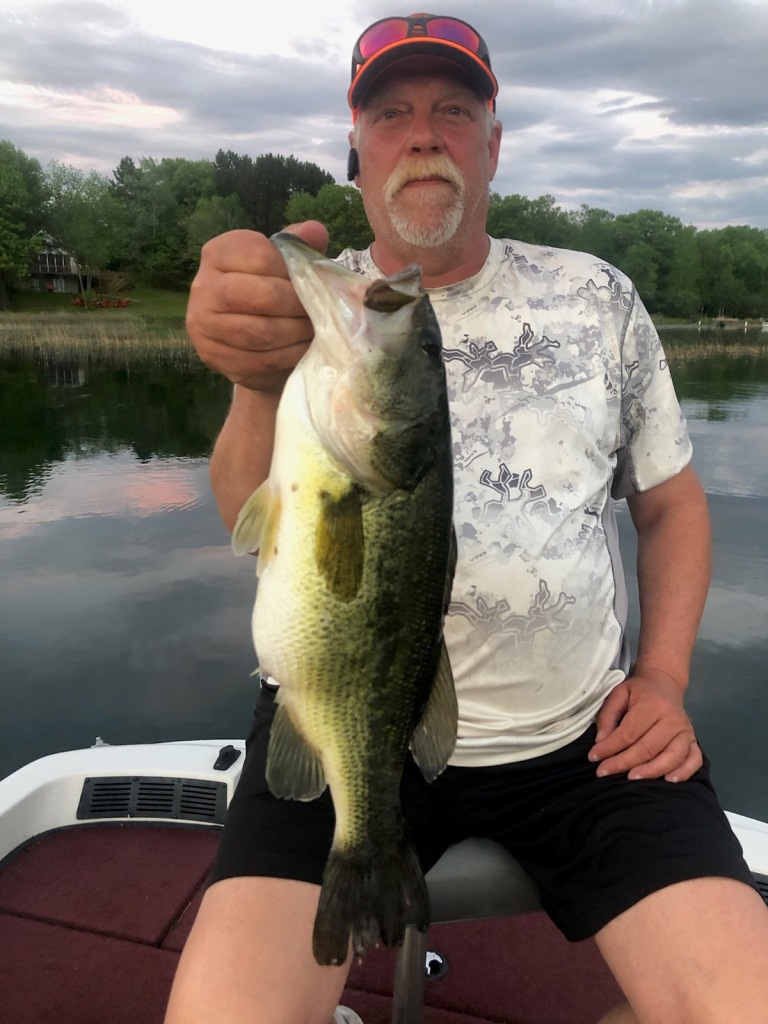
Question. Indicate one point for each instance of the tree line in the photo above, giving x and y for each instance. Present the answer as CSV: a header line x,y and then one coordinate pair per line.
x,y
148,220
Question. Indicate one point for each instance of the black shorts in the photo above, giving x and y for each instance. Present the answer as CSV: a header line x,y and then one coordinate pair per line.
x,y
595,846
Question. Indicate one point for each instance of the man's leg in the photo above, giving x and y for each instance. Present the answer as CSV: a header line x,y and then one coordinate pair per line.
x,y
248,959
692,953
621,1014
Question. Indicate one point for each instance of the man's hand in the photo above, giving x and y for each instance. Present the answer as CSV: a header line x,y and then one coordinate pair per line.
x,y
244,317
643,729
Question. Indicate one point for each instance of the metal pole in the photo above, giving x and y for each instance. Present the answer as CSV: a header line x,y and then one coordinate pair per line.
x,y
410,970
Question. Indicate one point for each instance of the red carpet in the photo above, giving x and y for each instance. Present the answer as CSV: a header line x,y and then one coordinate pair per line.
x,y
517,970
92,920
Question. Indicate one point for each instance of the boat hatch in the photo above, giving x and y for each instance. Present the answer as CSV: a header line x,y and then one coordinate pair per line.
x,y
143,796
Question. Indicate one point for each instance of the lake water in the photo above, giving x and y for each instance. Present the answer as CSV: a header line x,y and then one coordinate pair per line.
x,y
123,613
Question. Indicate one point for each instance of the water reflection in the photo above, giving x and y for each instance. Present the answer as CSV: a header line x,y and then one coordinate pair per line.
x,y
122,610
56,409
124,614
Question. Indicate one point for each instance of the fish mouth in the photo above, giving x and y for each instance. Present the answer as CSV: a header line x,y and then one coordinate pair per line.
x,y
335,297
329,292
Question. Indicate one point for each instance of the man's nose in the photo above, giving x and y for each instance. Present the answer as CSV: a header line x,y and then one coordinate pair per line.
x,y
425,137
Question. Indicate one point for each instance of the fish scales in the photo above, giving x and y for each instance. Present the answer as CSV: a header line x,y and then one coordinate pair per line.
x,y
356,556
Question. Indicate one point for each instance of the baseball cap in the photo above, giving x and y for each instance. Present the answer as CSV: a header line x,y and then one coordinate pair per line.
x,y
390,40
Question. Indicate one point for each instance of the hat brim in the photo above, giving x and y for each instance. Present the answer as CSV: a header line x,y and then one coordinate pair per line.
x,y
475,69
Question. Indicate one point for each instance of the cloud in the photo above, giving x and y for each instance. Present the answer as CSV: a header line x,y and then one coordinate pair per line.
x,y
659,103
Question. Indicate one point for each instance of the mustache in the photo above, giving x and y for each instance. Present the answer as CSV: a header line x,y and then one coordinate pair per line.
x,y
419,168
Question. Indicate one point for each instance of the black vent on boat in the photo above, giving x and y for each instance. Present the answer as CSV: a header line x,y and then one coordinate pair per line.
x,y
142,796
761,881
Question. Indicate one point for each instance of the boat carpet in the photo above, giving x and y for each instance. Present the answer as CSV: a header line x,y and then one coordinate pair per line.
x,y
519,970
92,920
128,881
55,975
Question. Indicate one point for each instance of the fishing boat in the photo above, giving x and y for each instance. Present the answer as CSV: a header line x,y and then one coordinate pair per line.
x,y
104,855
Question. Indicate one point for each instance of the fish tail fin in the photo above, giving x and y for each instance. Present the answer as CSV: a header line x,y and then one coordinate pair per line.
x,y
366,900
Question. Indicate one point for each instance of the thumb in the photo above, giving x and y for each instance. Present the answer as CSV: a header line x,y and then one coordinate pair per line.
x,y
312,232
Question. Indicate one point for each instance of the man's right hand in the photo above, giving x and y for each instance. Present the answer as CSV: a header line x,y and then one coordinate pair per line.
x,y
243,316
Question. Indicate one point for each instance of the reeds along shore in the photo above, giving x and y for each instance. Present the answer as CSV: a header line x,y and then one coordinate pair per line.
x,y
681,353
126,335
57,335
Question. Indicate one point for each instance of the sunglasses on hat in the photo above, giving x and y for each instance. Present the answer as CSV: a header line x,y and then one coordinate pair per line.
x,y
451,33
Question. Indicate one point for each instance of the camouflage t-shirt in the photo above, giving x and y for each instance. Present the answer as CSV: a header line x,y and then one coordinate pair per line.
x,y
561,398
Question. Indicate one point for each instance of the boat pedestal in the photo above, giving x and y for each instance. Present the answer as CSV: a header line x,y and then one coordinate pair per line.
x,y
477,878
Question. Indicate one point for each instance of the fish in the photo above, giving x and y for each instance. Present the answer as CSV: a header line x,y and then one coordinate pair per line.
x,y
353,530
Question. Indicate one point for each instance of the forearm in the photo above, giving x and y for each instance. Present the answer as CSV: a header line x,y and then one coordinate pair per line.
x,y
673,572
246,322
243,450
642,727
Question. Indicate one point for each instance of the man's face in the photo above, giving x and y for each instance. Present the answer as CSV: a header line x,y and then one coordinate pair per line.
x,y
427,155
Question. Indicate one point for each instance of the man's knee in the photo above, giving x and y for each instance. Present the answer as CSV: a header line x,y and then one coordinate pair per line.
x,y
249,958
693,953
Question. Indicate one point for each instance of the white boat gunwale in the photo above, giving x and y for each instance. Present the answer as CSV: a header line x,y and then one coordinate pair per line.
x,y
45,794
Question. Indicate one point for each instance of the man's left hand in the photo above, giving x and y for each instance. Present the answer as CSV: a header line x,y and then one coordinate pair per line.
x,y
643,729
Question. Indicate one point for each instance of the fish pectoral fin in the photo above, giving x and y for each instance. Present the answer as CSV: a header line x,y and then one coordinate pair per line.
x,y
294,771
434,738
340,544
256,526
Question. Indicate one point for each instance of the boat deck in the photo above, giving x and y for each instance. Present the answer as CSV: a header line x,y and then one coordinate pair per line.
x,y
93,918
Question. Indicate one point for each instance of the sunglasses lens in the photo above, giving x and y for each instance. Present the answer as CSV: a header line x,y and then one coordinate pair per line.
x,y
454,32
381,35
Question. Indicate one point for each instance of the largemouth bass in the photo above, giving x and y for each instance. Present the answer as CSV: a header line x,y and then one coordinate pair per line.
x,y
356,556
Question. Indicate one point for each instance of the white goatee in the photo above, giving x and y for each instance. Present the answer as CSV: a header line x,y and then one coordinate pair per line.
x,y
439,215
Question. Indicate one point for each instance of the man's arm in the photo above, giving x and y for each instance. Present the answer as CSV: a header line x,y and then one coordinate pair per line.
x,y
246,322
243,450
643,727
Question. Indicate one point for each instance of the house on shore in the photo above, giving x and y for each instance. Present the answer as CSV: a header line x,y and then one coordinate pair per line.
x,y
54,271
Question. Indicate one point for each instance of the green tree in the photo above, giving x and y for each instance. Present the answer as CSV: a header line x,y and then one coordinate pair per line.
x,y
682,297
265,185
83,217
593,231
640,263
643,245
734,271
213,216
539,221
22,198
124,178
340,208
157,197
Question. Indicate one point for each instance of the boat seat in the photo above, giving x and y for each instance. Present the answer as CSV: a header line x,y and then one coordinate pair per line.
x,y
474,879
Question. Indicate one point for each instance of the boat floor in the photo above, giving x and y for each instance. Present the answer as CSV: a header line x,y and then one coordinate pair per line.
x,y
93,918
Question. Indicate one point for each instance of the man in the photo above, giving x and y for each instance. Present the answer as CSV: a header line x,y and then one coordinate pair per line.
x,y
560,395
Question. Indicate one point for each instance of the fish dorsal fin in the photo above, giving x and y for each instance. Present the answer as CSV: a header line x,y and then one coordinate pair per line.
x,y
256,526
294,771
434,737
340,544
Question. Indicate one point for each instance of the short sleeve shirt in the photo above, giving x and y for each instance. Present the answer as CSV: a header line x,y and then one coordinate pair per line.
x,y
561,401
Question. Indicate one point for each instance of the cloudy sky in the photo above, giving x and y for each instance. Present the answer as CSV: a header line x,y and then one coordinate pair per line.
x,y
640,103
